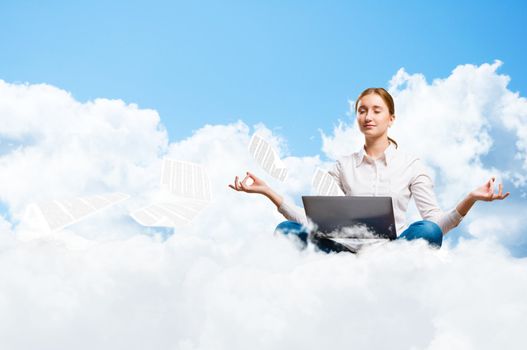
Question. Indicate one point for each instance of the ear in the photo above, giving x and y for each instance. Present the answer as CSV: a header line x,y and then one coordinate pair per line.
x,y
392,119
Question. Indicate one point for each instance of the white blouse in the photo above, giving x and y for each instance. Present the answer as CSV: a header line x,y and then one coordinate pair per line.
x,y
395,174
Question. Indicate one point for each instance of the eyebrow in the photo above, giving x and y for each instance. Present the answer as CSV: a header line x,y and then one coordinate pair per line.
x,y
374,106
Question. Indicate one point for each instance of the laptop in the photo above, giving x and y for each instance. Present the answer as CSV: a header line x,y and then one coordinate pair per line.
x,y
358,217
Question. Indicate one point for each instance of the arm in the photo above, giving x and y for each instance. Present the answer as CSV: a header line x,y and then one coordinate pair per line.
x,y
425,200
422,188
464,206
259,186
336,173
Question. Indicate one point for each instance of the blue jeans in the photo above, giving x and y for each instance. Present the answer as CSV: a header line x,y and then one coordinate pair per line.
x,y
427,230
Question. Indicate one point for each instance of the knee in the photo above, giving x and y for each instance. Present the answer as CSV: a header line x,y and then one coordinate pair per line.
x,y
292,228
425,229
432,232
287,227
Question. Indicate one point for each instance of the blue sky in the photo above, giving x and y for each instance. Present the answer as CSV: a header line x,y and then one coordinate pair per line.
x,y
292,65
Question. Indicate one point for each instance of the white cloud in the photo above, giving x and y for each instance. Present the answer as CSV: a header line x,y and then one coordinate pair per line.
x,y
60,146
223,282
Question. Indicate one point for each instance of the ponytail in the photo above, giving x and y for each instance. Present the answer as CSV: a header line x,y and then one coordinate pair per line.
x,y
393,141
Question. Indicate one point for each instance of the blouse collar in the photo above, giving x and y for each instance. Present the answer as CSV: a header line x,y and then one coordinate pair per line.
x,y
387,156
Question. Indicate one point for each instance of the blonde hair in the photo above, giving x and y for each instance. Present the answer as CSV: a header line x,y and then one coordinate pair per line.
x,y
386,97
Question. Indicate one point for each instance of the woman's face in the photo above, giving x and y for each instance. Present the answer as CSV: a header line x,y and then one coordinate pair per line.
x,y
373,116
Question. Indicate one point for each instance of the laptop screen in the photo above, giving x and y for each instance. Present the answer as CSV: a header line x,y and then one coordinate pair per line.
x,y
353,215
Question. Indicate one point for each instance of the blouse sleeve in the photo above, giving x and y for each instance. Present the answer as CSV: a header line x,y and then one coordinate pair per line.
x,y
336,173
422,188
292,212
296,213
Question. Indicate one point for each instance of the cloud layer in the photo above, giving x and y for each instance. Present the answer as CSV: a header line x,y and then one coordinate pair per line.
x,y
225,282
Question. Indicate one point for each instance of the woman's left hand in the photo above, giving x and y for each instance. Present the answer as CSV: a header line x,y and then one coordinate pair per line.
x,y
486,192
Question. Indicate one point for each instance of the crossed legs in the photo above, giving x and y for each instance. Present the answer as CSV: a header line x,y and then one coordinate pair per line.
x,y
424,229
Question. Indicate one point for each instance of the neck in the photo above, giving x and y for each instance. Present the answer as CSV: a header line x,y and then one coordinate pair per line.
x,y
374,148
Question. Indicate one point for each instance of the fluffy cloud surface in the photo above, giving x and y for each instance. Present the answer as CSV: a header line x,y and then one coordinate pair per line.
x,y
225,281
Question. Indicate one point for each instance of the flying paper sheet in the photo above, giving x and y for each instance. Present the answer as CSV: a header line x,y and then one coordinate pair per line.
x,y
324,184
267,157
188,187
61,213
185,179
169,213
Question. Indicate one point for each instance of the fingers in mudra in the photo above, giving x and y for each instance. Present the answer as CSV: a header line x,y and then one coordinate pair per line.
x,y
490,195
250,183
236,185
245,185
500,194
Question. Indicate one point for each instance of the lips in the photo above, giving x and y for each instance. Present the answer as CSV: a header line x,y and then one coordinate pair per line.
x,y
368,125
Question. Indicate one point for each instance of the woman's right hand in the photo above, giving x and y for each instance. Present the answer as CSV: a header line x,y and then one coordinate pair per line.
x,y
257,185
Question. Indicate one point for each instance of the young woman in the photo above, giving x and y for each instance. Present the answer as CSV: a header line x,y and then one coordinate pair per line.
x,y
379,168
